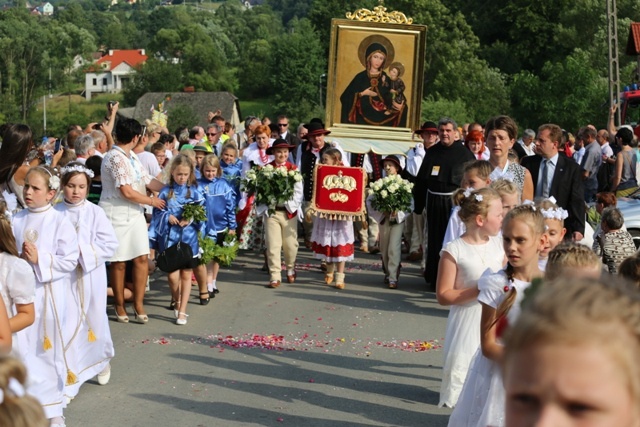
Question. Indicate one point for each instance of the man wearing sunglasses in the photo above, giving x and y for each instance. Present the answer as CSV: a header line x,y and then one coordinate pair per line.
x,y
283,129
213,143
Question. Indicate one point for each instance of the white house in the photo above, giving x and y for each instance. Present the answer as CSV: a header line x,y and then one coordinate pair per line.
x,y
111,73
46,9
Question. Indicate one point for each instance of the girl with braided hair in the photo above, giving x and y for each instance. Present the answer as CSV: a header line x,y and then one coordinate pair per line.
x,y
481,401
462,262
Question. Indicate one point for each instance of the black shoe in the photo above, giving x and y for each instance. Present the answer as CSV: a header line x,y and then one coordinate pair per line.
x,y
204,301
213,293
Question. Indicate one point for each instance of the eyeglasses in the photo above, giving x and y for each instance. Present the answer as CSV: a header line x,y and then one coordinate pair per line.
x,y
283,125
211,134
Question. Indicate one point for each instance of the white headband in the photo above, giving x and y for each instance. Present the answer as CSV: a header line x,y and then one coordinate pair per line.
x,y
77,168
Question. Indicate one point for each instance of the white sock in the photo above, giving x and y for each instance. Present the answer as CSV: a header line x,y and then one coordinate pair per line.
x,y
210,287
291,272
213,285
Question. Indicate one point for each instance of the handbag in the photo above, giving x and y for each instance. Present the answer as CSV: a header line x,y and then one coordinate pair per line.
x,y
175,257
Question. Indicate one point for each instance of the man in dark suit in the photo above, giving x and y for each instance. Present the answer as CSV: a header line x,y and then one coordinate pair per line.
x,y
283,129
558,176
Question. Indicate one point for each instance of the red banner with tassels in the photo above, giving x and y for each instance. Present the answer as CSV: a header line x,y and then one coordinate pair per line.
x,y
339,192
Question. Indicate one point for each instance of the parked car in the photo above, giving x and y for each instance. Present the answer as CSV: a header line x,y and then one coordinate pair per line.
x,y
630,208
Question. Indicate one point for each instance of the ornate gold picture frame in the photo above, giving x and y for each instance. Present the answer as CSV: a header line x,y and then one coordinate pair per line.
x,y
375,78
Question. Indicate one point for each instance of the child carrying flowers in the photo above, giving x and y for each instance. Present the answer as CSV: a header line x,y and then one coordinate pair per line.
x,y
170,226
220,201
389,202
278,190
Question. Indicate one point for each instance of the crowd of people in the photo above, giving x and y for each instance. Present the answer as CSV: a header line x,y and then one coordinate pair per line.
x,y
490,215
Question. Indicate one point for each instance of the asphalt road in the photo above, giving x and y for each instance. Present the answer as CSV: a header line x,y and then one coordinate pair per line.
x,y
304,354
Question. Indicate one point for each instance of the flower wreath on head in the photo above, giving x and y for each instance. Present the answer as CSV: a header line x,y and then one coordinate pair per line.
x,y
554,213
77,168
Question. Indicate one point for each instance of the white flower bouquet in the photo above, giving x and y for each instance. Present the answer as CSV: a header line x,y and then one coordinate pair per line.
x,y
391,194
272,186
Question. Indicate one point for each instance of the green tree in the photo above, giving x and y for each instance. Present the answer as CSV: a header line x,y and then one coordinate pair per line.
x,y
296,83
569,93
154,76
22,54
180,115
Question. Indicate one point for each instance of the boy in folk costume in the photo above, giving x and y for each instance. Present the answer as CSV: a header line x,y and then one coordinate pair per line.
x,y
391,228
281,232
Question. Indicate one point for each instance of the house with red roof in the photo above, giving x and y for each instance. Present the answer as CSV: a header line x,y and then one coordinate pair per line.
x,y
112,72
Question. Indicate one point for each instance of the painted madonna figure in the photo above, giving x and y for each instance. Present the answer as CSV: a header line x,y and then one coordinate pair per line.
x,y
368,99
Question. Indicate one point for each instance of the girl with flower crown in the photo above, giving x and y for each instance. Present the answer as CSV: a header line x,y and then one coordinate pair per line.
x,y
48,242
481,401
87,336
462,262
554,217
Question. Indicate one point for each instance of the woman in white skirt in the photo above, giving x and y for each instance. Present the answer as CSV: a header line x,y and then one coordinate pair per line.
x,y
124,185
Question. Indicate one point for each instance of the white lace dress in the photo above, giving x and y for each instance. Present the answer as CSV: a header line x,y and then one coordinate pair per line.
x,y
462,338
127,217
482,400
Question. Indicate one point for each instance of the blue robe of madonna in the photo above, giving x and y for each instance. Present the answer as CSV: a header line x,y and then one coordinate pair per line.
x,y
161,233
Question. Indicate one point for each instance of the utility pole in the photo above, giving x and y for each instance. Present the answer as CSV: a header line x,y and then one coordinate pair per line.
x,y
614,64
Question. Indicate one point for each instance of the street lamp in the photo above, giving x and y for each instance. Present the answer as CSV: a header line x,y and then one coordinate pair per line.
x,y
322,76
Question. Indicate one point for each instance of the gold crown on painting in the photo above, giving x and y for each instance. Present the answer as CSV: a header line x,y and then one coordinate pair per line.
x,y
379,14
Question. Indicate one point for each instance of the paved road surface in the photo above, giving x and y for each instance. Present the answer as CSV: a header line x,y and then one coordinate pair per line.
x,y
301,355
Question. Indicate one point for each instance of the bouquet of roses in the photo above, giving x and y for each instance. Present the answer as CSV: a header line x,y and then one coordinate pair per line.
x,y
391,194
271,186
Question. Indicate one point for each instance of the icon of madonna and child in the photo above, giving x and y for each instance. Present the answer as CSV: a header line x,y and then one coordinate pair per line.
x,y
375,96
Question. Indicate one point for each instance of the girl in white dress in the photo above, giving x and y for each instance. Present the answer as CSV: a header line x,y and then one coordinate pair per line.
x,y
332,239
48,242
17,283
87,337
481,401
475,176
462,262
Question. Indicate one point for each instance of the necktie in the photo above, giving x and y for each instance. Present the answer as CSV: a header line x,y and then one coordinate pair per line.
x,y
545,181
215,150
